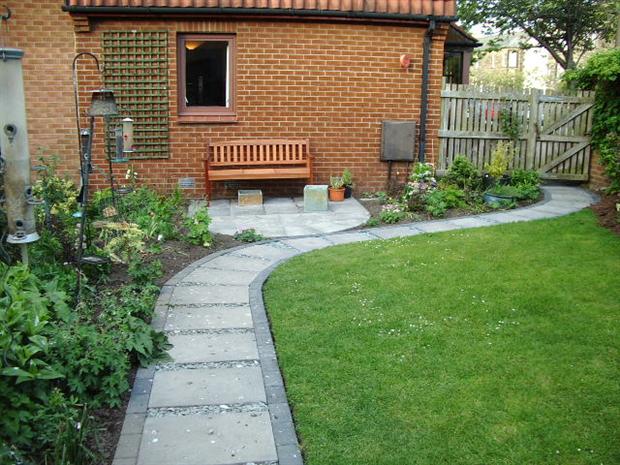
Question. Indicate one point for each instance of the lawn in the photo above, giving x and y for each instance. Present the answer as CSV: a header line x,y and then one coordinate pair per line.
x,y
486,346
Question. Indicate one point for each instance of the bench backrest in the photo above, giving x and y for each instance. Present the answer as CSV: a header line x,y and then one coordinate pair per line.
x,y
259,152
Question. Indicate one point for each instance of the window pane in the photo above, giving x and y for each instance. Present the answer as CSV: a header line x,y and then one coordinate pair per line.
x,y
453,67
206,73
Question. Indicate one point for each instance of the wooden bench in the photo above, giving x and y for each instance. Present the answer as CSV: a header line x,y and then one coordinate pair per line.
x,y
257,159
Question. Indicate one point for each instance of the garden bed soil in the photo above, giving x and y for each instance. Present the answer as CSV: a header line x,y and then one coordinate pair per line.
x,y
374,207
174,257
605,210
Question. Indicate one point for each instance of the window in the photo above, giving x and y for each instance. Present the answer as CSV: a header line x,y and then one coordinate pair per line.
x,y
513,59
453,67
206,77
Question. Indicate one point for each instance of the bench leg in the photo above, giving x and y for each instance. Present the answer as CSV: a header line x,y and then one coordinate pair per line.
x,y
208,183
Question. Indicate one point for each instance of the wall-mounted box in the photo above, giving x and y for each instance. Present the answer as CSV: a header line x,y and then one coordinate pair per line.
x,y
398,140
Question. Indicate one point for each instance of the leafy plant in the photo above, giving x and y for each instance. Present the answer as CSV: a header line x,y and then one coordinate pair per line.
x,y
463,174
509,124
142,273
248,235
602,73
26,307
198,228
392,213
94,363
122,241
336,182
347,177
504,190
440,200
500,159
421,182
527,183
372,222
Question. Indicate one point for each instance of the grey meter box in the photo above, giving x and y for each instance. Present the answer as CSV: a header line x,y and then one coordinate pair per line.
x,y
398,140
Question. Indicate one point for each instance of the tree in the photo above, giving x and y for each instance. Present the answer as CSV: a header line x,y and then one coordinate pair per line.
x,y
566,28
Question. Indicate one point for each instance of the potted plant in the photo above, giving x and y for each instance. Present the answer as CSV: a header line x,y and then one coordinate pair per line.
x,y
347,179
501,194
497,170
336,189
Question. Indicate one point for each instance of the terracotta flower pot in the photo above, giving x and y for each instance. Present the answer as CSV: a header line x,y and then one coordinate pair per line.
x,y
336,195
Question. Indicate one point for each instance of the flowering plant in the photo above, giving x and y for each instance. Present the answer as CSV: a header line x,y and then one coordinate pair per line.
x,y
391,213
421,181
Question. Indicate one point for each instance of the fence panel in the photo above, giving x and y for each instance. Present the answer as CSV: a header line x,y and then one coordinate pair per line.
x,y
553,130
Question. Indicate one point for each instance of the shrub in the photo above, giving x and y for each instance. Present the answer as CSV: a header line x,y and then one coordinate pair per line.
x,y
198,228
392,213
93,362
602,73
26,308
421,181
527,183
248,235
463,174
439,201
500,159
154,214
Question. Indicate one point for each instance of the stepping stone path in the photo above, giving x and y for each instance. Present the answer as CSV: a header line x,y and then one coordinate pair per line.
x,y
221,400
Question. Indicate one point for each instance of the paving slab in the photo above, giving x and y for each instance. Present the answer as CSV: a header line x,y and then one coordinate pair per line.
x,y
217,439
348,238
205,386
266,251
504,217
306,244
212,347
212,317
436,226
532,214
215,276
230,262
395,231
210,294
471,222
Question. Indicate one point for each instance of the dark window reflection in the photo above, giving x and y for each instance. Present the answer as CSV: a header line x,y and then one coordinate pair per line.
x,y
205,73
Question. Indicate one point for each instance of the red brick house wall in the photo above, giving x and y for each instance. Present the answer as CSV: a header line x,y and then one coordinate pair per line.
x,y
330,81
45,33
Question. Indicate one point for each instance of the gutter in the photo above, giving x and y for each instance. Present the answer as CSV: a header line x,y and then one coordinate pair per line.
x,y
426,58
253,11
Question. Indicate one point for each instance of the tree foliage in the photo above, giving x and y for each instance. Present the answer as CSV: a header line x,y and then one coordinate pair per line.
x,y
566,28
602,73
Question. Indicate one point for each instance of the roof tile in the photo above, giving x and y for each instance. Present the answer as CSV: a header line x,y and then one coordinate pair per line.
x,y
424,7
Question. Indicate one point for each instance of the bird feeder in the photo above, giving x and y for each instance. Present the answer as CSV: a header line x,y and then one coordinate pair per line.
x,y
18,197
102,103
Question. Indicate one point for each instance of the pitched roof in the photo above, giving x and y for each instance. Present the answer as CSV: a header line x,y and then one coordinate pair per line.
x,y
389,7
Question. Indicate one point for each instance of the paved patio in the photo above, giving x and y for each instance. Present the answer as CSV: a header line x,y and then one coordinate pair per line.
x,y
221,401
284,217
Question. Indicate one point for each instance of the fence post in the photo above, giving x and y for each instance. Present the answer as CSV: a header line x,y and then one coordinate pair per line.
x,y
532,129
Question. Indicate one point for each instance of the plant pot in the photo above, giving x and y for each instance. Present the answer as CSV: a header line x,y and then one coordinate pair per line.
x,y
348,192
336,195
491,199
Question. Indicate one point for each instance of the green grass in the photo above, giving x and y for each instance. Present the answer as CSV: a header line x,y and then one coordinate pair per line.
x,y
487,346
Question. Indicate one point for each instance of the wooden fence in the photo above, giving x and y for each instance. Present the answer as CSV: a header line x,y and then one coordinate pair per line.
x,y
554,135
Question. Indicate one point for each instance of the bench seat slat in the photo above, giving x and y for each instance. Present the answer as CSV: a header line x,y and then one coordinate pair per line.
x,y
260,173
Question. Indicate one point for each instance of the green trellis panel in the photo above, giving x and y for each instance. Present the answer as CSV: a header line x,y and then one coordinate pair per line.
x,y
136,69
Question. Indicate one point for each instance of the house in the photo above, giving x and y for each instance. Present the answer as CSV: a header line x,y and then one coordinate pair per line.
x,y
457,58
515,61
330,71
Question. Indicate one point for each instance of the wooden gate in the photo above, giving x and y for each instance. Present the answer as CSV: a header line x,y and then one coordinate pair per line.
x,y
554,136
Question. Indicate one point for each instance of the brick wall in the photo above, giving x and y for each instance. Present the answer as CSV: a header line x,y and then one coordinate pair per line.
x,y
331,82
598,178
45,33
